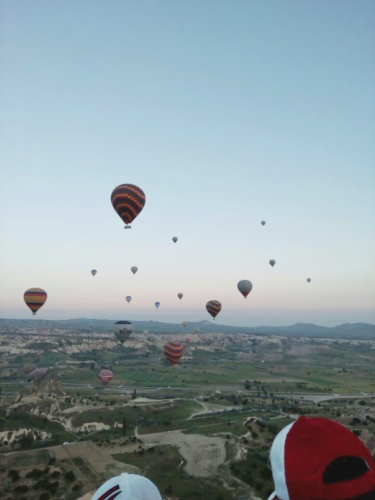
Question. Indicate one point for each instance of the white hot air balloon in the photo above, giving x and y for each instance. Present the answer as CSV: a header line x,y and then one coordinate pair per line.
x,y
93,272
180,295
185,323
263,222
245,287
128,299
134,269
272,262
175,239
122,330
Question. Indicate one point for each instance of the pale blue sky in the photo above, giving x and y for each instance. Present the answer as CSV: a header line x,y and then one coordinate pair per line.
x,y
225,113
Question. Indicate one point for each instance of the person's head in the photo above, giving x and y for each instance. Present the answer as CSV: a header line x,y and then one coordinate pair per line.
x,y
128,487
319,459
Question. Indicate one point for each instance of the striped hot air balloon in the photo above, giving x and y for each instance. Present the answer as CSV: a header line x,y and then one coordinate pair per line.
x,y
128,200
35,298
28,368
173,351
39,372
105,376
213,307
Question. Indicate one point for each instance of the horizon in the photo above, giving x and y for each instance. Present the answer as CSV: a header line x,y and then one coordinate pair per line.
x,y
225,116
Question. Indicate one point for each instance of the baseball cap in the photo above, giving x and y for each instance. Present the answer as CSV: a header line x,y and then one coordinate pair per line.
x,y
319,459
128,487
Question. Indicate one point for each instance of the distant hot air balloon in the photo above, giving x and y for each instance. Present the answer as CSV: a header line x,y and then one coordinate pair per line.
x,y
245,287
134,269
122,330
187,340
93,272
213,307
180,295
263,222
157,305
35,298
128,200
175,239
105,376
28,368
185,323
128,299
173,351
39,372
196,330
272,262
145,332
308,280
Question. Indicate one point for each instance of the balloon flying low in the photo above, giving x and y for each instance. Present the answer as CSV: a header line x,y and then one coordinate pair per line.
x,y
105,376
180,295
173,351
157,305
128,200
196,330
35,298
185,323
122,330
245,287
272,262
187,340
134,269
263,222
28,368
213,307
128,299
93,272
175,239
308,280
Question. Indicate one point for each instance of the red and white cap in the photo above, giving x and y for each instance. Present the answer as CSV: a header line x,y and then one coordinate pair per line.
x,y
319,459
128,487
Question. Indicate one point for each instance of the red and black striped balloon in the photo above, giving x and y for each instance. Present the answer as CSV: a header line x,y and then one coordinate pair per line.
x,y
173,351
128,200
213,307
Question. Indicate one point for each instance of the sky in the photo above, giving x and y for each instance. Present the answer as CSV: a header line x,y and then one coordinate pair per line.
x,y
225,113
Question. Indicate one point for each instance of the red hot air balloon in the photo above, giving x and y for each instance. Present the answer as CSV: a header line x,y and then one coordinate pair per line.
x,y
128,200
105,376
213,307
35,298
187,340
173,351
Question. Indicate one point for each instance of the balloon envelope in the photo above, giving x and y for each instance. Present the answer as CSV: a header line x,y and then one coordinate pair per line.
x,y
128,200
272,262
35,298
28,368
122,330
157,304
308,280
245,287
105,376
213,307
128,299
175,239
93,272
173,351
263,222
185,323
180,295
187,340
39,372
196,330
134,269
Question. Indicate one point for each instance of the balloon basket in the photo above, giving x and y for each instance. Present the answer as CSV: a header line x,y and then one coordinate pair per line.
x,y
34,314
127,226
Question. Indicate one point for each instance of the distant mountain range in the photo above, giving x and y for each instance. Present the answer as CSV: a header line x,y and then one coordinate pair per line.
x,y
348,330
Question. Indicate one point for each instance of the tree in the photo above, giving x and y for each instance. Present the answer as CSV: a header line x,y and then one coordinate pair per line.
x,y
124,426
134,394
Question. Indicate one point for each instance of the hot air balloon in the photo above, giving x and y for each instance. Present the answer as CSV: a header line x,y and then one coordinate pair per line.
x,y
173,351
245,287
128,299
134,269
28,368
39,372
122,330
196,330
272,262
187,340
185,323
213,307
93,272
35,298
128,200
175,239
157,305
145,332
105,376
263,222
308,280
180,295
